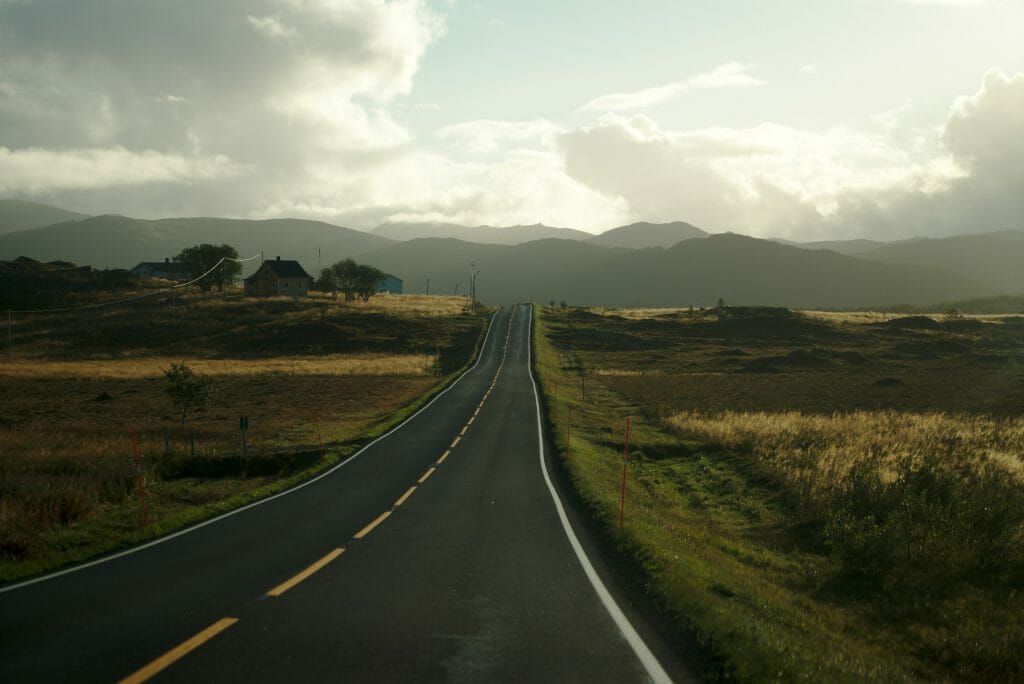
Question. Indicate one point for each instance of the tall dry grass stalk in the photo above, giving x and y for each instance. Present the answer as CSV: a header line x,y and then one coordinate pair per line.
x,y
913,504
819,448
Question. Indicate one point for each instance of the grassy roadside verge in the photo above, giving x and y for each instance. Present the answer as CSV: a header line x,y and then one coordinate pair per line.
x,y
178,502
717,544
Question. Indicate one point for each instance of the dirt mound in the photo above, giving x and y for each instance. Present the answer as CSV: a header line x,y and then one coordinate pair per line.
x,y
964,325
912,323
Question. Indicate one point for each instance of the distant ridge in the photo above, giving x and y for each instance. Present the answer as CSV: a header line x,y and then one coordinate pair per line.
x,y
995,259
848,247
642,235
18,215
739,269
122,242
484,235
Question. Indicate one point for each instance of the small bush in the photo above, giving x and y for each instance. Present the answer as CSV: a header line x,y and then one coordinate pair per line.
x,y
937,525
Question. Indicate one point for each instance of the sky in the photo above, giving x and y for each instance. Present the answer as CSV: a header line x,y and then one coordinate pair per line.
x,y
797,119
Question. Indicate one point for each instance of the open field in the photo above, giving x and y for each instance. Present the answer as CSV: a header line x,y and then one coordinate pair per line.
x,y
808,497
304,372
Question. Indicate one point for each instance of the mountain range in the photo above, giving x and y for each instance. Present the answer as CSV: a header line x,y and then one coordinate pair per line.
x,y
642,264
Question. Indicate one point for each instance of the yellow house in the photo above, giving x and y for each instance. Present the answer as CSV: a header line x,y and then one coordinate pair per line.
x,y
279,277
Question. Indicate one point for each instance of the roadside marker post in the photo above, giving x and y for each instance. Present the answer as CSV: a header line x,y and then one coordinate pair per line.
x,y
243,424
625,461
141,482
319,440
568,433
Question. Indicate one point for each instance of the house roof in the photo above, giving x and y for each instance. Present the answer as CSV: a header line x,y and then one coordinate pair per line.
x,y
283,268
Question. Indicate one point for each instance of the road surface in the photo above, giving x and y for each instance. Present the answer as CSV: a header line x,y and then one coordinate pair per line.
x,y
441,552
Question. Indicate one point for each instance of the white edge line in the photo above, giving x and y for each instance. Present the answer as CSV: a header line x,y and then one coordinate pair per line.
x,y
654,669
193,528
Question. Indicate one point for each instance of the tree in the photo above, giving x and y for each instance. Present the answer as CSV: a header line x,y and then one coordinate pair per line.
x,y
201,258
187,389
355,279
327,282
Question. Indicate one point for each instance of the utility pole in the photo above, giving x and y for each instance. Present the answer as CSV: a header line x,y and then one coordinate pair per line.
x,y
473,271
428,285
457,288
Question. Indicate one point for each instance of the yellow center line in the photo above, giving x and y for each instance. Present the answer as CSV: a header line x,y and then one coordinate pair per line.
x,y
443,456
464,428
471,419
369,528
285,586
405,496
477,412
455,442
179,652
426,475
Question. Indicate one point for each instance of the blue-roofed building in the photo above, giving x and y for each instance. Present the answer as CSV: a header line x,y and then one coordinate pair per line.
x,y
390,284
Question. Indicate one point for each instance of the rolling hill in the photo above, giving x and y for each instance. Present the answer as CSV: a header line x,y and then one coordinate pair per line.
x,y
485,235
739,269
643,234
120,241
993,259
18,215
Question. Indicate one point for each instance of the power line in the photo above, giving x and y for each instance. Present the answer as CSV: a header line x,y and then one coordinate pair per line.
x,y
138,297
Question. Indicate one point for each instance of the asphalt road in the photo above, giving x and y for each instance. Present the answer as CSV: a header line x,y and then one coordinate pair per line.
x,y
441,552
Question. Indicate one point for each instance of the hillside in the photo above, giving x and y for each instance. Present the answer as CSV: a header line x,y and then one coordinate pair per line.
x,y
485,235
643,234
18,215
120,241
739,269
848,247
992,259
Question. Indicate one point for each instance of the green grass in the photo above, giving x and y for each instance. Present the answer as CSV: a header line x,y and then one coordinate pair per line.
x,y
736,547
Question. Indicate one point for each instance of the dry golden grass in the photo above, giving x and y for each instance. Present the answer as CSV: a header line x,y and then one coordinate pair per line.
x,y
858,317
328,365
641,314
405,304
823,447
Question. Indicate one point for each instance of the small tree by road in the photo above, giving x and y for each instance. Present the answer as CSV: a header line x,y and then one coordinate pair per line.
x,y
188,390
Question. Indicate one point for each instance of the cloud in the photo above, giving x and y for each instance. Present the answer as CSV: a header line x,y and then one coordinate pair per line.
x,y
278,87
888,182
730,75
488,135
37,170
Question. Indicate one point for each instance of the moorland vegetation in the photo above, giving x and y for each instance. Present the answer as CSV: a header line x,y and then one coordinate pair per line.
x,y
314,377
810,496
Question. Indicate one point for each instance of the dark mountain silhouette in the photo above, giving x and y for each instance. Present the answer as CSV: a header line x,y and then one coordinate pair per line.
x,y
739,269
996,260
18,215
848,247
643,234
119,241
486,235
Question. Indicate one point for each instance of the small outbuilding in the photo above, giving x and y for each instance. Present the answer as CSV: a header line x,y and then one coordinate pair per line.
x,y
279,277
168,270
390,284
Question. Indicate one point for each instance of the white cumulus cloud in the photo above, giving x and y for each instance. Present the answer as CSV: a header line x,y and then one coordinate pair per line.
x,y
729,75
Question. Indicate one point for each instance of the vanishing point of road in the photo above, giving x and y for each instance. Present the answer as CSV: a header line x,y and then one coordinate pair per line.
x,y
442,551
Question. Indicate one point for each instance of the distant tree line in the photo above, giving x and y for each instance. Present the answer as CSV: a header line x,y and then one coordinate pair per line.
x,y
351,278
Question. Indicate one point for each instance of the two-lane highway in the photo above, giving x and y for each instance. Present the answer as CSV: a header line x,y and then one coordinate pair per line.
x,y
439,552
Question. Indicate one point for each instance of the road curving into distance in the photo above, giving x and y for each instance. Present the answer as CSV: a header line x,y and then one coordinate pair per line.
x,y
440,552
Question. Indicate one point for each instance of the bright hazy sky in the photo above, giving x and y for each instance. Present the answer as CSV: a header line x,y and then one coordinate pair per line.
x,y
802,119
